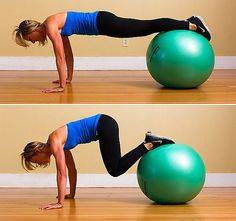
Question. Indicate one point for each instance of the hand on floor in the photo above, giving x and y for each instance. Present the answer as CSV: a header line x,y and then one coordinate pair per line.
x,y
53,90
51,206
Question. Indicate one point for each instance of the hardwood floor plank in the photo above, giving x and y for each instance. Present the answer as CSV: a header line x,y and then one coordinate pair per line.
x,y
110,87
114,204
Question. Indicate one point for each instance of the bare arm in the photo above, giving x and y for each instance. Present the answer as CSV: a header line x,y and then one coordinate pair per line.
x,y
69,58
58,153
72,173
61,175
58,47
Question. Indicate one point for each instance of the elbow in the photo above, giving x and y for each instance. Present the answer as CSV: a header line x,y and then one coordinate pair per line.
x,y
60,60
61,175
73,171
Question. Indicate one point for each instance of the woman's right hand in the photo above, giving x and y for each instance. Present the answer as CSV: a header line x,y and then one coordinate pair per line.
x,y
51,206
53,90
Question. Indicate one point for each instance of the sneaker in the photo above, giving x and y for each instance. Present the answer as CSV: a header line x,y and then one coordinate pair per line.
x,y
156,140
201,26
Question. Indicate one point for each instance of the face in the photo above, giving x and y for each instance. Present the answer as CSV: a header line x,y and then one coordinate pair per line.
x,y
40,158
35,36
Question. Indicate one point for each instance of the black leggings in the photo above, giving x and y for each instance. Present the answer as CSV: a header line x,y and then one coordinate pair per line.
x,y
111,25
108,136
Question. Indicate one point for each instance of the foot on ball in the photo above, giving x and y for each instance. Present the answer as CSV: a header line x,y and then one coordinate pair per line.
x,y
201,26
156,141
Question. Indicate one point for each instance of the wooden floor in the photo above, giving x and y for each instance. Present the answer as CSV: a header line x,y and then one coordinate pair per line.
x,y
115,204
113,87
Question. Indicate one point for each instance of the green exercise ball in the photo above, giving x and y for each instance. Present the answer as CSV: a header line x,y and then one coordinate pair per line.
x,y
171,174
180,59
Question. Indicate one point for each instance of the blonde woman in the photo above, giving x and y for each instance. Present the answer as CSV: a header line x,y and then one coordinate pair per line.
x,y
60,26
98,127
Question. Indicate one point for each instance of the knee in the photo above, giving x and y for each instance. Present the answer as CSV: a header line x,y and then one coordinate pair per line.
x,y
114,173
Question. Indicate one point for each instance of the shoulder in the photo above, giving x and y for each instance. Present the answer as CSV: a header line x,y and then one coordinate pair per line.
x,y
55,20
57,135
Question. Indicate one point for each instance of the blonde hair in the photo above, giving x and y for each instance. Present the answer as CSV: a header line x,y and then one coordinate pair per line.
x,y
30,150
26,27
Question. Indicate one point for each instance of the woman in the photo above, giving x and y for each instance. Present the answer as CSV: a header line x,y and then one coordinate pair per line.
x,y
99,127
60,26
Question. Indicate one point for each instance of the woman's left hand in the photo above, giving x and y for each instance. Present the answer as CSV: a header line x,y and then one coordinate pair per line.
x,y
51,206
68,196
53,90
58,81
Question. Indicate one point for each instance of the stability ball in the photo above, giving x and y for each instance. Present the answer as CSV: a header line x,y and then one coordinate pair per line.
x,y
171,174
180,59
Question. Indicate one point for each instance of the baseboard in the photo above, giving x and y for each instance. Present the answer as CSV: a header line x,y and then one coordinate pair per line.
x,y
101,180
95,63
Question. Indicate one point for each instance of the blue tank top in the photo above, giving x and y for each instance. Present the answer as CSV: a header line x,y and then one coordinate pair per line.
x,y
81,131
80,23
